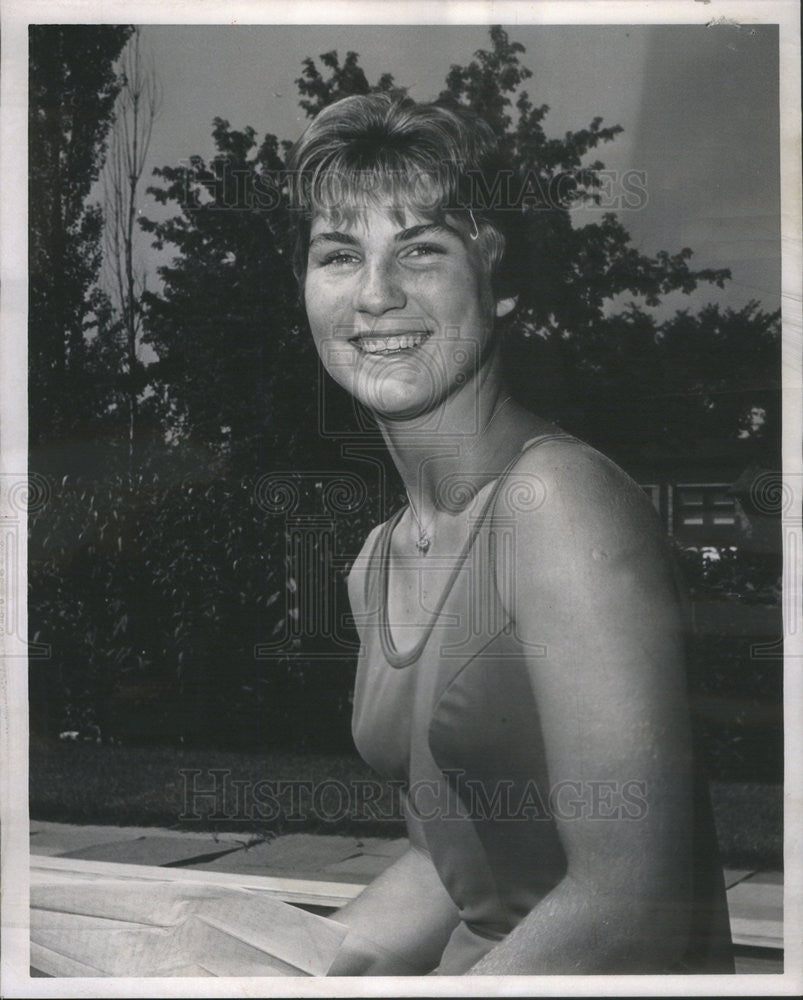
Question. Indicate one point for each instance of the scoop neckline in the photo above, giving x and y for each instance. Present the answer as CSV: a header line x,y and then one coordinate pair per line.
x,y
391,652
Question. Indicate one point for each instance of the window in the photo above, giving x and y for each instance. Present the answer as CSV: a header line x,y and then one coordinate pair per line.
x,y
704,508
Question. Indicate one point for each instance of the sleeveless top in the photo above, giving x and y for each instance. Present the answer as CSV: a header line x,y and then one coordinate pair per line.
x,y
454,719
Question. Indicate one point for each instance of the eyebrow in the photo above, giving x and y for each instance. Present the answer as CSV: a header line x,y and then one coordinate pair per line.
x,y
425,228
334,237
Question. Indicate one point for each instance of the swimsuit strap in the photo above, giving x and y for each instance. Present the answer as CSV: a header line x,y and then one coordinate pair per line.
x,y
378,543
382,546
529,445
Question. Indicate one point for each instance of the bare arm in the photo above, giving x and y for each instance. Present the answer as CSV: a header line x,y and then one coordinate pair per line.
x,y
400,924
593,587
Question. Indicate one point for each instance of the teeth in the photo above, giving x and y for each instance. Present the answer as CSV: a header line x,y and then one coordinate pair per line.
x,y
390,345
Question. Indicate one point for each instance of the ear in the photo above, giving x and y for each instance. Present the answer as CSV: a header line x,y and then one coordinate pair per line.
x,y
506,306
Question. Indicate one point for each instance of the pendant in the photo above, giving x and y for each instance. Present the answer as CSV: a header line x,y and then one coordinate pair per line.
x,y
423,543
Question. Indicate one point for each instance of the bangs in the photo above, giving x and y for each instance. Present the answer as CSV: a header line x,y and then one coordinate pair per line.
x,y
350,181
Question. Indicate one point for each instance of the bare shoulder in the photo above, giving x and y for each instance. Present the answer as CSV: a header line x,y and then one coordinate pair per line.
x,y
583,525
570,490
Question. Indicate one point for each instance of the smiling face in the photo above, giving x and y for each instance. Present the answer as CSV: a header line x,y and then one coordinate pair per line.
x,y
400,307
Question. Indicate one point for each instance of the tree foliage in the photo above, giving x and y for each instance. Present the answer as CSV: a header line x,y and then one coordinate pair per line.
x,y
234,363
136,110
646,391
235,357
343,81
72,89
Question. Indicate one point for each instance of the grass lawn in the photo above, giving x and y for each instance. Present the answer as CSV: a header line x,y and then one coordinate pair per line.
x,y
284,792
201,789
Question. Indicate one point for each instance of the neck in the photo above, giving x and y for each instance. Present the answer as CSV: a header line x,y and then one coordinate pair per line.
x,y
460,442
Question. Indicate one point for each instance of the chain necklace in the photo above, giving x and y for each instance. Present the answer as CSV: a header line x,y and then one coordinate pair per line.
x,y
424,539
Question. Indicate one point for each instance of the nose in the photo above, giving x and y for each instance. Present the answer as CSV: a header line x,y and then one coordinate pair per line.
x,y
378,289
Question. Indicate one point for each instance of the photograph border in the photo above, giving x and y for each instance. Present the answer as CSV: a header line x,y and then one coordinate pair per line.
x,y
16,15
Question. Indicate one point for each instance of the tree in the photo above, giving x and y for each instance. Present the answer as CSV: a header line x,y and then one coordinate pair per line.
x,y
234,367
641,389
343,81
573,272
72,90
136,110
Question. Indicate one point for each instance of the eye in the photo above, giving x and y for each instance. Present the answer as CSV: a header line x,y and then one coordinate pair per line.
x,y
420,250
340,257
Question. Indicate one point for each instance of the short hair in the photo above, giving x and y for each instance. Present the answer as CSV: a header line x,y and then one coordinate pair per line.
x,y
433,158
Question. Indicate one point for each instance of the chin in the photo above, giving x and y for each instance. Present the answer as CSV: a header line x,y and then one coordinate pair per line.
x,y
396,398
398,410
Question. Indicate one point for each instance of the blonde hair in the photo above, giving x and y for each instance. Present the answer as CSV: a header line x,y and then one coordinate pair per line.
x,y
380,151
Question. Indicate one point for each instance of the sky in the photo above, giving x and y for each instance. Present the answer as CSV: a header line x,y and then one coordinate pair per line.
x,y
698,105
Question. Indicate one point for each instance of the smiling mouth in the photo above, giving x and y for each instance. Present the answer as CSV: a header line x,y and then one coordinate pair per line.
x,y
390,345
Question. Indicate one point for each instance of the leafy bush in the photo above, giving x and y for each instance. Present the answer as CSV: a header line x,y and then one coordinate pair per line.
x,y
731,573
736,661
154,600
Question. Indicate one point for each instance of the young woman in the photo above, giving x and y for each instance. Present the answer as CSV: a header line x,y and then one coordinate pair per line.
x,y
522,657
